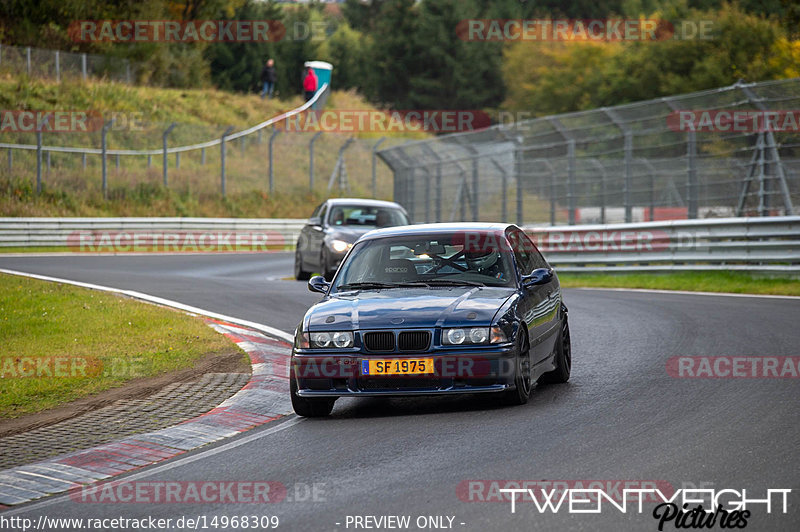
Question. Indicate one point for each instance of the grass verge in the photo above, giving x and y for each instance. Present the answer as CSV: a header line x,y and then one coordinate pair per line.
x,y
732,282
61,343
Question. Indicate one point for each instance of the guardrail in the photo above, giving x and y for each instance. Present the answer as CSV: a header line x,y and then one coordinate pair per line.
x,y
167,234
759,245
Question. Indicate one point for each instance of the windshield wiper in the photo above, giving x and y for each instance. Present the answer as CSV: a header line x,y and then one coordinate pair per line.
x,y
369,285
451,282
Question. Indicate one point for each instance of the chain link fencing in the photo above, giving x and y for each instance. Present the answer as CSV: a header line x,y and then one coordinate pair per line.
x,y
121,152
58,65
636,162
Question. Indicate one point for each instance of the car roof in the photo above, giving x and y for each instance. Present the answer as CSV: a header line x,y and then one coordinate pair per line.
x,y
365,202
421,229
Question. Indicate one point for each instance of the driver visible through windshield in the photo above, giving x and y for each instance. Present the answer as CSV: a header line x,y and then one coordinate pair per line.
x,y
457,259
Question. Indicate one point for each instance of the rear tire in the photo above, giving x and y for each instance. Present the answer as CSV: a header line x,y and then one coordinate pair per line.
x,y
563,357
307,407
522,377
299,273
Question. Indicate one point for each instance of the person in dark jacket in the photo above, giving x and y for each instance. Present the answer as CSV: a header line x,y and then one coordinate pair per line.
x,y
268,79
310,84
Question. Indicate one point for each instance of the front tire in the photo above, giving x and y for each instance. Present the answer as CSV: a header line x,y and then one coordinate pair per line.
x,y
563,358
522,377
307,407
299,273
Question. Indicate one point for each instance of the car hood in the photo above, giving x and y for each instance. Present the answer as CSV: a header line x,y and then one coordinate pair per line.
x,y
404,307
348,234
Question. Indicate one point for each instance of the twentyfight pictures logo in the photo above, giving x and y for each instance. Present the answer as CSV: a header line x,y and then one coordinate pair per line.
x,y
582,30
682,508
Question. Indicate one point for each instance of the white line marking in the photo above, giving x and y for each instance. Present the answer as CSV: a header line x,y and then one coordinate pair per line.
x,y
277,333
686,292
178,462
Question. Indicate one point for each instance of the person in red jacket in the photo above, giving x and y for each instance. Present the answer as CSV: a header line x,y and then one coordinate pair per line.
x,y
310,84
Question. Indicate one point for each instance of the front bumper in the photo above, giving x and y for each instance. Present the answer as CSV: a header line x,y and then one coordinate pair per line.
x,y
478,370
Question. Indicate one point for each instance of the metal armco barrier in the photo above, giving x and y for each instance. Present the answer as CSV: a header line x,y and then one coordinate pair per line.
x,y
117,234
758,244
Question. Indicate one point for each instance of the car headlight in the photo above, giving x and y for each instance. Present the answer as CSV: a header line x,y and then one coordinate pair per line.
x,y
340,246
326,340
473,336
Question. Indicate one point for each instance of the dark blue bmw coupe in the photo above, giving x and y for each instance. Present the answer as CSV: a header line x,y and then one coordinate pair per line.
x,y
429,310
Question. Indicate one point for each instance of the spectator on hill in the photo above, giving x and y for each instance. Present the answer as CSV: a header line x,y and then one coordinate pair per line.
x,y
268,79
310,84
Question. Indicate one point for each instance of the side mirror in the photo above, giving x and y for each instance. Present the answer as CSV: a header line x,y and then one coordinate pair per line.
x,y
317,221
537,277
318,284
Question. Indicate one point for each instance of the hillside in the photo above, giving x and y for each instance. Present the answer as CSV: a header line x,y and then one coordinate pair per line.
x,y
142,114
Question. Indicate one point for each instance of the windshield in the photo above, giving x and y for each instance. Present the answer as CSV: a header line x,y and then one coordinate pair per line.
x,y
441,259
362,216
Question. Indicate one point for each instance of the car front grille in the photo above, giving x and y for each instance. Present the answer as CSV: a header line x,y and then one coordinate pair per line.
x,y
414,340
379,341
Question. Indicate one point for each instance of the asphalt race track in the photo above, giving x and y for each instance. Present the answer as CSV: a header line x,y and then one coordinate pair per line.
x,y
621,417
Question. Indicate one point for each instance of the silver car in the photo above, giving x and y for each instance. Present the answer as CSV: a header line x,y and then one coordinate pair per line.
x,y
334,227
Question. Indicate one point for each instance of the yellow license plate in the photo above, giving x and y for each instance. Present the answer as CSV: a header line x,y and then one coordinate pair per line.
x,y
402,366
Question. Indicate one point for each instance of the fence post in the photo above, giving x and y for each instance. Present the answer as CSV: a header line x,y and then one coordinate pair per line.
x,y
83,67
475,196
83,160
438,203
10,159
626,191
128,71
311,160
222,158
104,148
504,190
241,143
28,58
691,177
552,198
38,162
149,160
571,180
116,162
58,68
374,167
164,162
177,159
203,156
275,133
